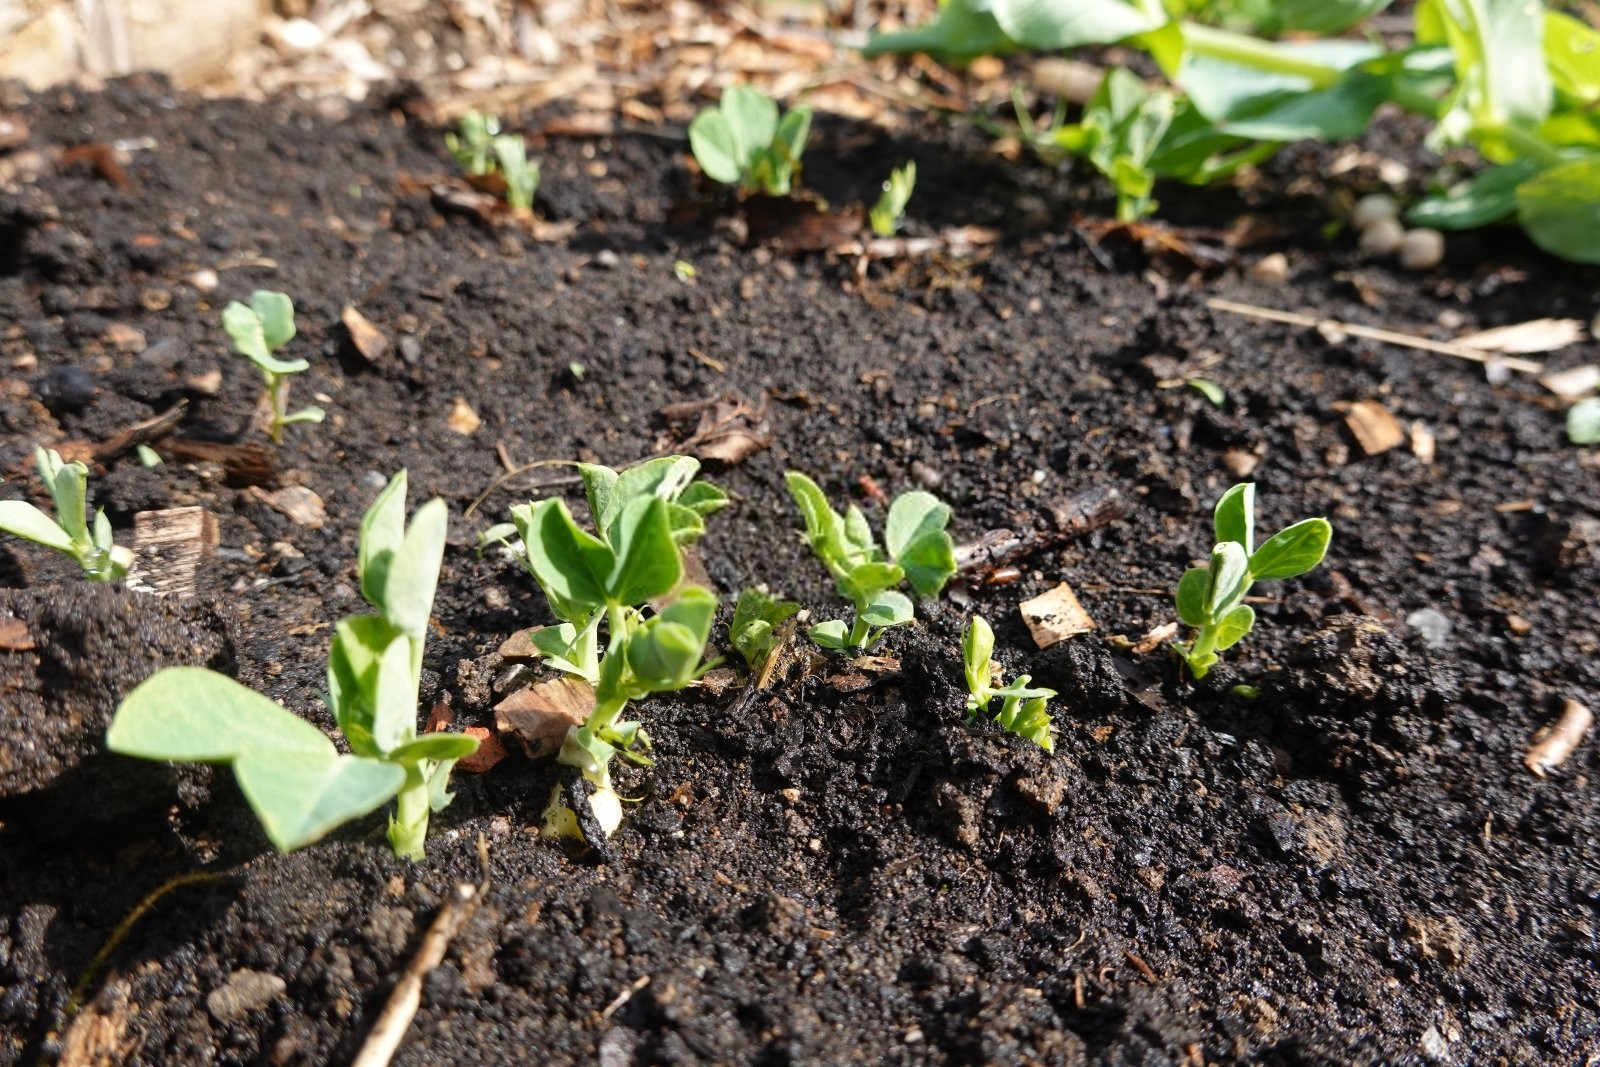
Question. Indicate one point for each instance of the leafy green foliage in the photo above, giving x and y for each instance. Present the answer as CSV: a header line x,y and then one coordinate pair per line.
x,y
885,214
917,549
258,330
298,784
757,615
743,141
1211,598
1516,81
1583,422
70,531
1022,709
480,148
643,518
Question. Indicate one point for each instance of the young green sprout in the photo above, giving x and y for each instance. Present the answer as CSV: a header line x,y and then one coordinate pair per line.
x,y
1022,710
521,174
742,141
757,615
258,330
643,516
69,531
885,214
480,148
473,146
298,784
919,550
1211,598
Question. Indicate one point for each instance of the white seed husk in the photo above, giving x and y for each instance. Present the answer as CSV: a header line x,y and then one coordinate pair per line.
x,y
1421,249
1373,208
1382,237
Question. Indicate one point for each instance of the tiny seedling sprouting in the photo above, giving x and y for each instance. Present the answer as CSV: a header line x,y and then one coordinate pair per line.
x,y
298,784
258,330
643,517
919,550
891,206
473,145
743,142
1211,598
757,614
70,531
1022,710
480,148
520,173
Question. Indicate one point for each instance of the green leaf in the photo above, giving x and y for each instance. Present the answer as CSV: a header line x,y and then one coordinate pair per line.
x,y
962,31
1488,197
1272,106
756,617
383,528
570,564
703,498
686,524
665,477
1230,577
1210,390
647,561
1293,551
21,519
276,313
754,118
865,580
1234,625
665,652
888,608
824,526
435,746
1191,598
1572,51
833,634
716,146
439,795
1235,516
1048,25
248,333
1325,16
394,697
358,645
1560,209
1501,74
929,563
1583,422
572,648
70,491
977,650
913,516
858,533
305,414
600,489
413,571
297,784
790,139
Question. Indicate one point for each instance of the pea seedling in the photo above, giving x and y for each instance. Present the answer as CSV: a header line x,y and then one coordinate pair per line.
x,y
473,145
886,213
1211,598
258,330
69,531
298,784
1022,710
643,516
919,550
754,629
480,148
742,141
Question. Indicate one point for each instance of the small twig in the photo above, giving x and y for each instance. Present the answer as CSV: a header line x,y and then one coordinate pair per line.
x,y
626,995
1553,744
510,474
390,1029
1373,333
141,433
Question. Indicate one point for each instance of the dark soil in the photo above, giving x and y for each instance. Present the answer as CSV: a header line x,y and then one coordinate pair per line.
x,y
1353,868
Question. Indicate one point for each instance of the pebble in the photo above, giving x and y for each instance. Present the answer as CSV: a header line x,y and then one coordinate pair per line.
x,y
204,280
244,992
410,348
1272,269
925,475
1432,625
66,389
1421,249
164,354
606,259
374,480
1382,237
124,338
1373,208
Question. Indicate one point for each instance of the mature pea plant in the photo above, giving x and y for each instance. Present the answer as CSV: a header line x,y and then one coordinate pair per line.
x,y
298,784
258,330
917,549
643,516
743,142
1022,709
1513,80
1211,598
69,532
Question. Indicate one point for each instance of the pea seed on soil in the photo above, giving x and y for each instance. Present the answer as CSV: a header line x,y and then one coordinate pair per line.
x,y
1354,868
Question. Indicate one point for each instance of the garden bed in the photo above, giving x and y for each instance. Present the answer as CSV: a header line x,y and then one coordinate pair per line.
x,y
1356,867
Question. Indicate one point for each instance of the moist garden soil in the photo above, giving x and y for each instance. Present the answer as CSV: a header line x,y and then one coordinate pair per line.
x,y
1354,867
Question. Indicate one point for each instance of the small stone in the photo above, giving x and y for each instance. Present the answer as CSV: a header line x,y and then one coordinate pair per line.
x,y
1382,237
490,752
300,504
204,280
462,419
155,299
374,480
244,992
1375,207
925,476
1421,249
1272,269
165,354
124,338
1240,462
1434,1046
410,349
206,382
13,132
606,259
1423,445
1432,625
1374,428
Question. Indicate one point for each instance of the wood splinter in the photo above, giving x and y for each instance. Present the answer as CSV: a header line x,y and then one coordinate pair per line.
x,y
1553,744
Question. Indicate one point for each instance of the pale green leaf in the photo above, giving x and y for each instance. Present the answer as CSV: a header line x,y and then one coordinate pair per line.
x,y
21,519
1293,551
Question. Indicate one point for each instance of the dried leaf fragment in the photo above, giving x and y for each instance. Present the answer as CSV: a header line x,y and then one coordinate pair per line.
x,y
1535,335
302,506
1574,382
367,339
1055,615
462,419
540,715
1374,428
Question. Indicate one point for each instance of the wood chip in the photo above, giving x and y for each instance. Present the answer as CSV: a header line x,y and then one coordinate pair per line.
x,y
302,506
519,647
1240,462
168,548
1553,744
1536,335
14,636
462,419
490,752
1154,639
1422,442
1054,616
367,339
540,715
1574,382
1375,429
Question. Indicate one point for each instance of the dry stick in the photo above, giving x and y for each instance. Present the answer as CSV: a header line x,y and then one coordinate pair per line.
x,y
1553,744
1372,333
390,1029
